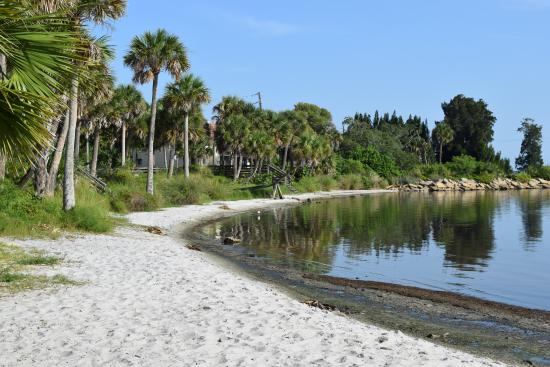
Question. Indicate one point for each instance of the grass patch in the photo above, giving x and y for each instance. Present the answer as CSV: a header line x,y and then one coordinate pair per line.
x,y
23,215
128,190
14,264
38,260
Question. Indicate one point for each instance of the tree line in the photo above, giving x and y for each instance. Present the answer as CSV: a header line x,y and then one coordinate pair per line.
x,y
393,145
59,98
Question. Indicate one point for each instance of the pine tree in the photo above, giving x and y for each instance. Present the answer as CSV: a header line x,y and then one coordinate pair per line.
x,y
531,147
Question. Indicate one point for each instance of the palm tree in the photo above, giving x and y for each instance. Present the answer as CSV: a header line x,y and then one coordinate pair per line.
x,y
292,124
184,95
150,54
234,132
229,106
97,11
443,133
168,132
35,64
132,106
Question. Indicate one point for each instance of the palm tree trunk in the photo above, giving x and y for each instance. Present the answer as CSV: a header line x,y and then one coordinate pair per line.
x,y
56,160
41,173
235,166
285,156
172,160
261,165
41,163
151,152
3,160
165,157
69,200
22,182
123,144
88,151
77,143
440,152
240,166
93,166
186,144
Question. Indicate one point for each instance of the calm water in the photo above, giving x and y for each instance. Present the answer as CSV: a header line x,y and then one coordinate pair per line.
x,y
493,245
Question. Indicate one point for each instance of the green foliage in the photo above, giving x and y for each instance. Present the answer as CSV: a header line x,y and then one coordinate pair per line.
x,y
442,134
486,177
472,123
379,162
346,166
128,194
351,182
22,214
531,147
319,183
467,166
40,50
434,171
540,172
522,177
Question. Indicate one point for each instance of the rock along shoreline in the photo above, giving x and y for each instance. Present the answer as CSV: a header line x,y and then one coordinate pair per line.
x,y
466,184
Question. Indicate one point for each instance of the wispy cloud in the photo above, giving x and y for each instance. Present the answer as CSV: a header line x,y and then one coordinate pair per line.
x,y
265,27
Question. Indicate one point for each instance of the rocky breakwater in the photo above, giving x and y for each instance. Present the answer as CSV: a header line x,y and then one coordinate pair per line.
x,y
465,184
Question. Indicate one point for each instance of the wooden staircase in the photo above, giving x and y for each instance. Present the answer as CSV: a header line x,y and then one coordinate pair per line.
x,y
95,181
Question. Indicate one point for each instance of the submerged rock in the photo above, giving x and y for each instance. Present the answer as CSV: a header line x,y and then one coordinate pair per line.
x,y
231,240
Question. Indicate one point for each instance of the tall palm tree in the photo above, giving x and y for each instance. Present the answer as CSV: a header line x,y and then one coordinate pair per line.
x,y
97,11
132,106
150,54
184,95
443,134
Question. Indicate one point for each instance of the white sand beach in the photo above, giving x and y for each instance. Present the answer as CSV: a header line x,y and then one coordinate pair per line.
x,y
149,301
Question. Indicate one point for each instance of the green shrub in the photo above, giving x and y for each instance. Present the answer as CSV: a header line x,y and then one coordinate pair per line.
x,y
463,166
522,177
540,172
308,184
122,176
467,166
89,219
434,171
486,177
381,163
372,180
22,214
351,182
327,183
346,166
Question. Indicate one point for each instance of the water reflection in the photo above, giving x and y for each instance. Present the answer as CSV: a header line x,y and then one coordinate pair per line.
x,y
388,234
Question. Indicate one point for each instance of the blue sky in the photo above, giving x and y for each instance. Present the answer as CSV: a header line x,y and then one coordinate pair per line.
x,y
360,55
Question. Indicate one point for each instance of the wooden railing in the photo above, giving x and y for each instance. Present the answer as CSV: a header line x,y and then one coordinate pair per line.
x,y
96,181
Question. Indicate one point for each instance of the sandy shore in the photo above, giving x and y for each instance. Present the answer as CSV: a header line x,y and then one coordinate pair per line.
x,y
149,301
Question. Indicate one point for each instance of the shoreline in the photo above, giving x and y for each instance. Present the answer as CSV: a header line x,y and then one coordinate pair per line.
x,y
509,333
148,300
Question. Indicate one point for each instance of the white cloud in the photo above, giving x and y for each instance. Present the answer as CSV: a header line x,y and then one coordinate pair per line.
x,y
265,27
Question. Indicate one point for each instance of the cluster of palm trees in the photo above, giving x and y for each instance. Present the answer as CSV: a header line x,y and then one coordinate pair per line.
x,y
51,65
56,86
302,138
